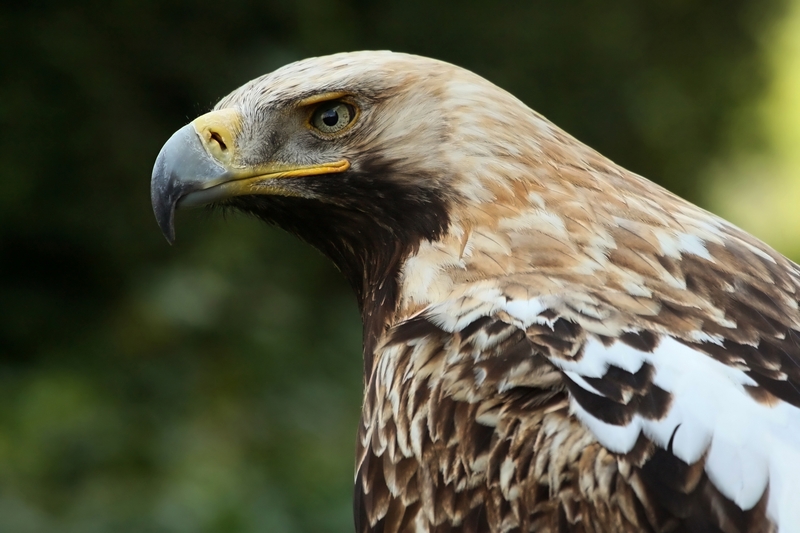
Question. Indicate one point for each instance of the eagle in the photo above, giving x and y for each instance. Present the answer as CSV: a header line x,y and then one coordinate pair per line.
x,y
551,343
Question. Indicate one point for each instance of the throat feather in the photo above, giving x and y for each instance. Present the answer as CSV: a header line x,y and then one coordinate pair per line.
x,y
368,225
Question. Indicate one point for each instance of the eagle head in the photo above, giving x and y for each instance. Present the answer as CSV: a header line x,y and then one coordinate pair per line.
x,y
364,155
349,152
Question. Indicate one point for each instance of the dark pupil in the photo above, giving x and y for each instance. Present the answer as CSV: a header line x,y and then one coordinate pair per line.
x,y
330,117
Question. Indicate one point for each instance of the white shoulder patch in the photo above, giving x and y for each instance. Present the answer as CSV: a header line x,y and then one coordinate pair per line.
x,y
748,446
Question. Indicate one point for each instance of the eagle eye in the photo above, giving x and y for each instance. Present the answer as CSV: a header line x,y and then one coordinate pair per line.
x,y
333,117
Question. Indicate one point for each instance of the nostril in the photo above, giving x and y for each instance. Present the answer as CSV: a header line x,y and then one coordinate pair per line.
x,y
218,138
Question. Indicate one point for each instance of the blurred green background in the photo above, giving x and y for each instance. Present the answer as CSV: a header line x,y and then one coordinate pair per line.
x,y
214,386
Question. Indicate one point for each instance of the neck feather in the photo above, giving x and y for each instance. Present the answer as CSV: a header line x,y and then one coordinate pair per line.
x,y
368,224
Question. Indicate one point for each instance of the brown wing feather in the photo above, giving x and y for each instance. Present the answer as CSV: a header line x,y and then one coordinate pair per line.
x,y
441,448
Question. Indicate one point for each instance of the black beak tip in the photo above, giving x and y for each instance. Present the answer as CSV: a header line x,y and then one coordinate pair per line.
x,y
163,198
166,222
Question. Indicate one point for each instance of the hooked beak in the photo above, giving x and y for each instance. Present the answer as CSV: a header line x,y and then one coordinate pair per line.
x,y
197,166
